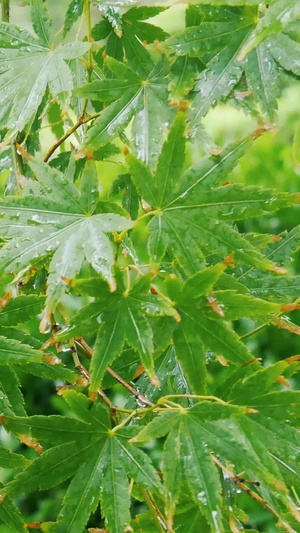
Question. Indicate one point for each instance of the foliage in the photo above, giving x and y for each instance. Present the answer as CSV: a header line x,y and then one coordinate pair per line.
x,y
132,298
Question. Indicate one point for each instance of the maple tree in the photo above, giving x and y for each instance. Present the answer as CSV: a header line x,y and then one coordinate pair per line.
x,y
126,294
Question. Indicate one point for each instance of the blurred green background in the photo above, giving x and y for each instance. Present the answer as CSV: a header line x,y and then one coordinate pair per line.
x,y
273,161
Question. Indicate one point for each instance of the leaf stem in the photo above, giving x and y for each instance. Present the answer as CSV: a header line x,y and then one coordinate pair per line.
x,y
192,396
5,10
125,231
128,281
147,214
124,422
82,120
256,330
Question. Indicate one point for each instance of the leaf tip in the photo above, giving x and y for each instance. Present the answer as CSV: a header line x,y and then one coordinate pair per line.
x,y
133,440
93,396
228,260
51,360
279,270
155,381
177,317
68,281
112,286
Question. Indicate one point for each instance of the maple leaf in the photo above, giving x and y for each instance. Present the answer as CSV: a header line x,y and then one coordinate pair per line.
x,y
64,223
190,209
28,65
93,454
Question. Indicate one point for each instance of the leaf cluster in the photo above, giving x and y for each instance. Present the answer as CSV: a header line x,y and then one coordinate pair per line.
x,y
127,293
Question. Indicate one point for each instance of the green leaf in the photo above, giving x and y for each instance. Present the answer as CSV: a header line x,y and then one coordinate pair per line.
x,y
115,498
218,79
145,98
171,159
10,515
21,100
221,340
73,12
12,460
201,474
72,235
197,40
190,352
82,496
181,224
276,18
286,52
93,455
195,461
236,305
10,388
172,469
42,24
183,73
110,339
202,282
21,309
13,352
263,78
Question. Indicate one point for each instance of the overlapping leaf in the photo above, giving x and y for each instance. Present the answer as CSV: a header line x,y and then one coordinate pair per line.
x,y
193,434
123,316
28,65
140,93
125,31
98,459
64,222
233,33
204,317
190,209
265,285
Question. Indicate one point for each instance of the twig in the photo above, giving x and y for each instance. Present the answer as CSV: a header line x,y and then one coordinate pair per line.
x,y
82,120
138,395
86,374
192,396
237,480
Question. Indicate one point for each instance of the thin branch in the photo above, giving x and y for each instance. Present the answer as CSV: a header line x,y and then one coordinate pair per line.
x,y
79,123
139,396
237,480
86,375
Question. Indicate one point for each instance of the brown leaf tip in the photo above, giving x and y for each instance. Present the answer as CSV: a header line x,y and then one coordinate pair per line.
x,y
93,396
